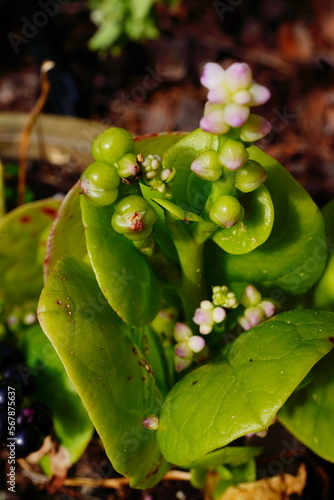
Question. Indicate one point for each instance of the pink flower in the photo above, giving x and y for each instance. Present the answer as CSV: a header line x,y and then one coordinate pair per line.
x,y
213,75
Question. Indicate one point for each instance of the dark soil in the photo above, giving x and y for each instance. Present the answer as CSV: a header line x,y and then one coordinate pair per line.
x,y
290,47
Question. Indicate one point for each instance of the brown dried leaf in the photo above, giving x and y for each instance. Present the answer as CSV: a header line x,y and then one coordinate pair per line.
x,y
279,487
295,41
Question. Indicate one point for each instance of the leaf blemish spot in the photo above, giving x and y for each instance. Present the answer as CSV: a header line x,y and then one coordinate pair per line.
x,y
331,339
130,378
195,382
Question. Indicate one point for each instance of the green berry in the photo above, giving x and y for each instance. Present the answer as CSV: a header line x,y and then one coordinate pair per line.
x,y
134,218
226,211
112,144
250,176
127,166
207,166
99,184
233,154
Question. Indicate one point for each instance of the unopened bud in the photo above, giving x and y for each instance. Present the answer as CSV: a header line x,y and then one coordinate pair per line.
x,y
207,165
226,211
196,343
254,315
127,166
182,332
213,75
254,129
233,154
268,307
250,176
218,314
238,76
134,218
151,422
213,120
242,97
250,296
236,115
259,94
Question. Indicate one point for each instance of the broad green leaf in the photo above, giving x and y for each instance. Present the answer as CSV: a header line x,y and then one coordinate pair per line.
x,y
22,248
157,144
124,275
324,290
113,379
328,214
309,413
67,235
180,157
71,422
150,345
292,257
219,402
254,229
232,455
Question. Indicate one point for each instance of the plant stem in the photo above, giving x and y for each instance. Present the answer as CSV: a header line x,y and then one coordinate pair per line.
x,y
164,266
192,289
2,191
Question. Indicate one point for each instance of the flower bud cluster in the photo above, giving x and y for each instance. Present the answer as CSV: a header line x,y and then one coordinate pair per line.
x,y
207,315
153,172
187,345
232,93
257,309
223,297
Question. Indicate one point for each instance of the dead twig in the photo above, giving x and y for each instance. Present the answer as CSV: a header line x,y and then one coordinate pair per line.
x,y
26,132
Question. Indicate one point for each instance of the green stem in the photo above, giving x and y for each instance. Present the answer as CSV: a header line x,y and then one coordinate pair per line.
x,y
164,266
2,191
192,289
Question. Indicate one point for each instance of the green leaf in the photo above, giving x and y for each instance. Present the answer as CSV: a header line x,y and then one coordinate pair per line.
x,y
112,377
180,157
157,144
2,191
176,211
254,229
72,424
67,236
324,290
22,248
233,476
124,275
292,257
232,455
150,345
241,393
309,413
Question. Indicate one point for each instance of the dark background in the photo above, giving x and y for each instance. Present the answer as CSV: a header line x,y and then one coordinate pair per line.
x,y
154,86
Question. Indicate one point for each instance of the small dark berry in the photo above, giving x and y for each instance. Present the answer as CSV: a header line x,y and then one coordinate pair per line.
x,y
28,440
22,374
